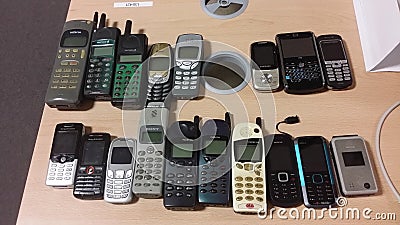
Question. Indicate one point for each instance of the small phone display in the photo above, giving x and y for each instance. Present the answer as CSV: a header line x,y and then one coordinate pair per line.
x,y
316,171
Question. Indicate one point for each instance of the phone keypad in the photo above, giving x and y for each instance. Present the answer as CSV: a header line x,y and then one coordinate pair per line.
x,y
89,180
296,72
186,80
214,179
61,171
118,184
180,183
158,88
319,189
99,75
149,168
127,81
284,186
338,70
67,74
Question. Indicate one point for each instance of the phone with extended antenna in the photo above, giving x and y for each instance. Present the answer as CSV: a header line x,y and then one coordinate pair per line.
x,y
188,56
91,171
316,172
149,169
64,155
248,168
65,85
161,63
180,189
120,165
281,171
99,73
129,88
215,163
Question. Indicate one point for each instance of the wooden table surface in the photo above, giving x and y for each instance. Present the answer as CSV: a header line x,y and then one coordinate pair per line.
x,y
355,111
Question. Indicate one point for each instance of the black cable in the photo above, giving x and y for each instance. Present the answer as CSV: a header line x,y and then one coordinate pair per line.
x,y
287,120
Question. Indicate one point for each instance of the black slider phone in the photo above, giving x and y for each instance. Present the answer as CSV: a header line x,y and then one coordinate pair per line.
x,y
282,173
316,172
299,63
100,69
180,189
335,63
129,89
91,170
215,163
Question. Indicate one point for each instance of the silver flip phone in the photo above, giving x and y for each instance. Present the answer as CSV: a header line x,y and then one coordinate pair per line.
x,y
120,165
354,170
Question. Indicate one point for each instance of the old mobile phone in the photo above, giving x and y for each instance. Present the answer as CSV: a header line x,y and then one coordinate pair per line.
x,y
335,63
265,71
188,56
248,168
64,155
120,165
161,62
180,189
99,73
281,171
215,163
316,172
129,89
353,165
65,86
91,171
149,170
299,63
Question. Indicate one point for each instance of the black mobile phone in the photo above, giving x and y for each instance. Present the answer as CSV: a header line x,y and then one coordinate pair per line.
x,y
180,189
100,69
299,62
91,170
215,163
129,89
265,71
65,85
316,172
282,172
335,64
64,155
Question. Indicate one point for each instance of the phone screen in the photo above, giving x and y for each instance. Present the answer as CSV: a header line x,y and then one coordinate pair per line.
x,y
182,151
65,142
264,56
121,155
353,159
188,52
312,155
215,147
332,50
279,157
93,152
248,150
159,63
298,47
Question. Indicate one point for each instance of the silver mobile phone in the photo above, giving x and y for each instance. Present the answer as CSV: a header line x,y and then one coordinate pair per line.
x,y
354,169
120,165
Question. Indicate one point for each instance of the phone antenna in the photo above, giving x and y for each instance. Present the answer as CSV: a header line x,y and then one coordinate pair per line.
x,y
128,27
102,20
95,19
